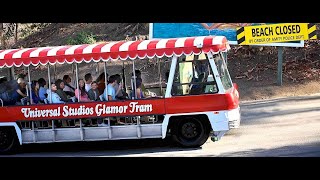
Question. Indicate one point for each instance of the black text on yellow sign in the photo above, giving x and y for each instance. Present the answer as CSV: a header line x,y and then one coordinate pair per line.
x,y
273,33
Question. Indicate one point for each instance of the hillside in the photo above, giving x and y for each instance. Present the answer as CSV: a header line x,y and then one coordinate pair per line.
x,y
253,68
57,34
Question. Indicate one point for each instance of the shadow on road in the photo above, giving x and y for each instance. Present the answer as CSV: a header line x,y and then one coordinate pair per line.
x,y
100,148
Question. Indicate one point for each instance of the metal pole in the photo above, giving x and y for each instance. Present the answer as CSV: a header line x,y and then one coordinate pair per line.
x,y
77,83
134,80
280,58
55,72
73,74
49,85
123,77
98,68
34,133
9,77
50,101
53,131
105,79
171,76
160,79
30,89
12,73
138,127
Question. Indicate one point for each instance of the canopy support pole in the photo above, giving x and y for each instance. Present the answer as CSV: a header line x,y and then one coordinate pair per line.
x,y
77,81
134,80
160,77
30,89
105,79
49,85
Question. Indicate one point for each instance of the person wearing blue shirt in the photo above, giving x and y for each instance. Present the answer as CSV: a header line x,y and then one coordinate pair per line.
x,y
42,89
109,93
53,97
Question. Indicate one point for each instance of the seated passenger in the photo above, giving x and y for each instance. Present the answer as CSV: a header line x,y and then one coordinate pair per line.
x,y
94,92
8,92
120,94
101,83
60,86
53,97
139,92
83,93
35,92
42,90
67,86
110,92
20,90
89,79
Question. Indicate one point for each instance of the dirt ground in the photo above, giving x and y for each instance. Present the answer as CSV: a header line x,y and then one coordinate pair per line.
x,y
254,69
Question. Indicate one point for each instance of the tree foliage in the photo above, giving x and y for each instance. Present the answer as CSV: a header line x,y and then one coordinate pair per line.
x,y
82,38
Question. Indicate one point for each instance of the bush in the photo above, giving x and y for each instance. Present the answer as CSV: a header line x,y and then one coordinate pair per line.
x,y
82,38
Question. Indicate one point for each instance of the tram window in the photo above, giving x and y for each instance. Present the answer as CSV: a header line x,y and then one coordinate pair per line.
x,y
193,76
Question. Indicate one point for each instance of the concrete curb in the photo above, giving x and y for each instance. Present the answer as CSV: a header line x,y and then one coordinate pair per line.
x,y
291,98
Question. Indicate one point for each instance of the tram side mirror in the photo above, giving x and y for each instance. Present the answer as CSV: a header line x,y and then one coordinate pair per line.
x,y
235,85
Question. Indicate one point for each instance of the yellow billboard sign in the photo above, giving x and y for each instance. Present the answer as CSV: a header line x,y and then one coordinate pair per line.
x,y
273,33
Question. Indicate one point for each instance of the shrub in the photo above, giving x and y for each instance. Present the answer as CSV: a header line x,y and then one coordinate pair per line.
x,y
82,38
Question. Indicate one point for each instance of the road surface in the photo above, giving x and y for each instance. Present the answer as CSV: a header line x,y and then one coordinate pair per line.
x,y
270,128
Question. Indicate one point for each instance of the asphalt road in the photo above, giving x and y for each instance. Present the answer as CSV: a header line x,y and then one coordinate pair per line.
x,y
271,128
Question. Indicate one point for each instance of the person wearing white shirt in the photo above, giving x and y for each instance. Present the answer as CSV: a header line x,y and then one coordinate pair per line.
x,y
88,78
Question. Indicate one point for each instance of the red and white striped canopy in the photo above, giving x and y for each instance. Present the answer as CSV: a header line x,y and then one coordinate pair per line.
x,y
112,51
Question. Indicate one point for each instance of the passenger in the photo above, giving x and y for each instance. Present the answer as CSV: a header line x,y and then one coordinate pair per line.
x,y
88,78
8,92
67,86
42,90
53,97
140,91
101,83
83,93
20,90
111,94
35,92
120,94
60,86
21,75
94,92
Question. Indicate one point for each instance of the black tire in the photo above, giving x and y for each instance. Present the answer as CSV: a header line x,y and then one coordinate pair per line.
x,y
190,132
8,140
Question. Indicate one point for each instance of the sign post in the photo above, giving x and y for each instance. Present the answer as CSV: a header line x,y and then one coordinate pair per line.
x,y
280,58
